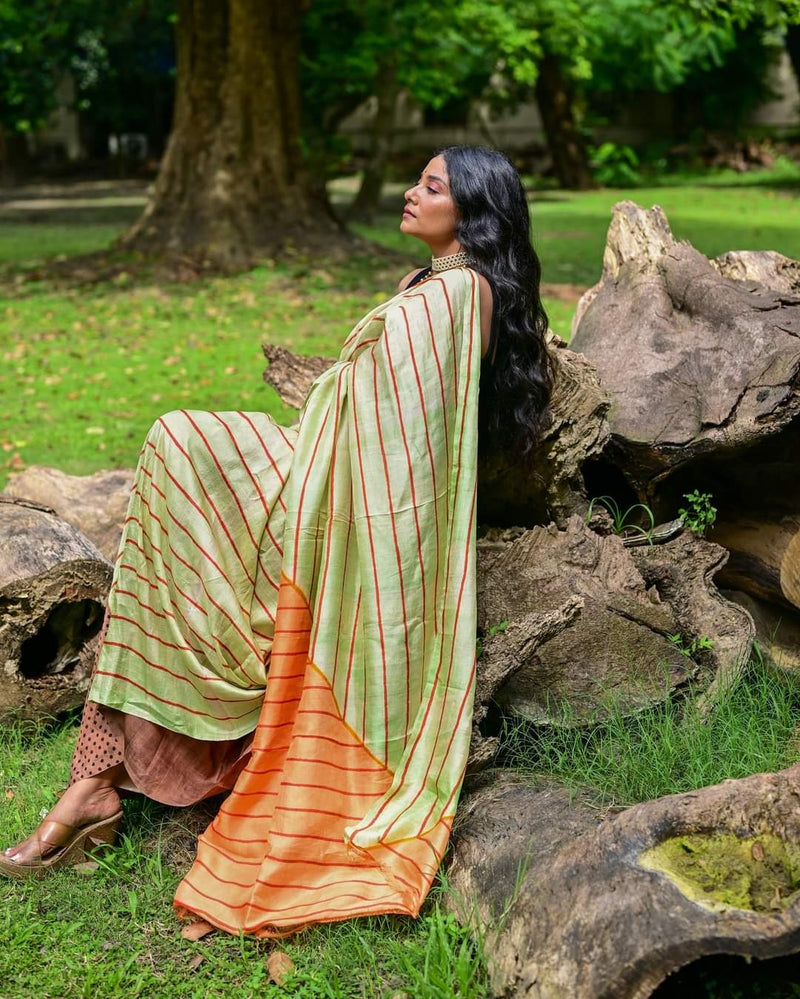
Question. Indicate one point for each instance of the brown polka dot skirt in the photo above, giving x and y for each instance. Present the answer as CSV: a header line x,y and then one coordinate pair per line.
x,y
98,747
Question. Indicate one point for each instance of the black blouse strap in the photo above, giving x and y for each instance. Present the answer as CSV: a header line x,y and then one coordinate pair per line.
x,y
418,276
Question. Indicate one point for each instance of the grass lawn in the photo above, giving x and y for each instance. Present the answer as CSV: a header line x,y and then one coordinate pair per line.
x,y
111,932
84,374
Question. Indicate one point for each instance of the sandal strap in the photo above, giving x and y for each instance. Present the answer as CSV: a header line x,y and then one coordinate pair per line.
x,y
52,827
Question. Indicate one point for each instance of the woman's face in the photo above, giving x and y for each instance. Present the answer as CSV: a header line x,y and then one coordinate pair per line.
x,y
430,213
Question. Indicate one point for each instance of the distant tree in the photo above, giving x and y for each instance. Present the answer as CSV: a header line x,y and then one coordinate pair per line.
x,y
561,50
37,41
233,182
356,49
98,42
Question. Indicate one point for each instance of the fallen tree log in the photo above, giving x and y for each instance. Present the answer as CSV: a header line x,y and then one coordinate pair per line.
x,y
616,654
94,504
53,586
581,904
702,363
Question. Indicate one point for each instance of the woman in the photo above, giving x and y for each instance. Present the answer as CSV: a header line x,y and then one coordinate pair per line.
x,y
292,616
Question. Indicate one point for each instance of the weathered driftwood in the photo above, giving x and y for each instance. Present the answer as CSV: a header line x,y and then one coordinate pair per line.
x,y
702,362
53,586
95,504
777,629
684,573
502,654
577,433
291,374
617,649
587,912
698,364
765,554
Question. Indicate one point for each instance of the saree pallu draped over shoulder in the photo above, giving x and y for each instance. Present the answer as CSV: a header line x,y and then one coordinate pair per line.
x,y
316,583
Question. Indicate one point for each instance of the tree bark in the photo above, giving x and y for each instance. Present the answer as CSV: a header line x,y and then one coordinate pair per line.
x,y
232,182
554,97
367,202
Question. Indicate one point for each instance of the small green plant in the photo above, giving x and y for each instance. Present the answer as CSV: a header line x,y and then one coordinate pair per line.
x,y
621,519
490,632
699,515
689,648
615,165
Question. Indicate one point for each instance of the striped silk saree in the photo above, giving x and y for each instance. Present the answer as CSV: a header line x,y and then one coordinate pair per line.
x,y
316,584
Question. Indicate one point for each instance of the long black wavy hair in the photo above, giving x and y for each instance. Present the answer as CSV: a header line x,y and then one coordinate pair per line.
x,y
494,230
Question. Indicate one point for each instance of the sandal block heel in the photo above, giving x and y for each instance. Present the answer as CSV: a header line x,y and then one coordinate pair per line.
x,y
70,853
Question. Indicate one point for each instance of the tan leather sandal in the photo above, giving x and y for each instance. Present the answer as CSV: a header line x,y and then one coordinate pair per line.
x,y
71,851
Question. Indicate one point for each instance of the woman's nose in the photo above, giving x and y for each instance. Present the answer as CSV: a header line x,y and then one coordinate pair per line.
x,y
410,192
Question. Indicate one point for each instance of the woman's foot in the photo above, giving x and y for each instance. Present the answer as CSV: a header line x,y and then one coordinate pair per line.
x,y
84,803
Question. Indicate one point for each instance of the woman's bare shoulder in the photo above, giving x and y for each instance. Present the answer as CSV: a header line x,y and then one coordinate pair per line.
x,y
403,283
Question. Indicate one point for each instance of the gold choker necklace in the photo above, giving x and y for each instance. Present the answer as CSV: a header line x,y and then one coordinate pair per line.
x,y
451,260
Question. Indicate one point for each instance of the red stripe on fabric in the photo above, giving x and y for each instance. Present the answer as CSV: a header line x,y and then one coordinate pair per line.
x,y
425,877
291,884
193,502
203,489
379,614
350,658
139,576
398,558
331,504
323,839
272,461
157,638
328,738
303,488
338,766
465,563
333,790
261,908
431,463
342,593
318,811
174,704
210,599
169,614
244,815
236,499
174,585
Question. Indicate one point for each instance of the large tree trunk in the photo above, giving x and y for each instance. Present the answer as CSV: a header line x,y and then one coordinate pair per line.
x,y
555,100
232,181
367,201
793,48
14,158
